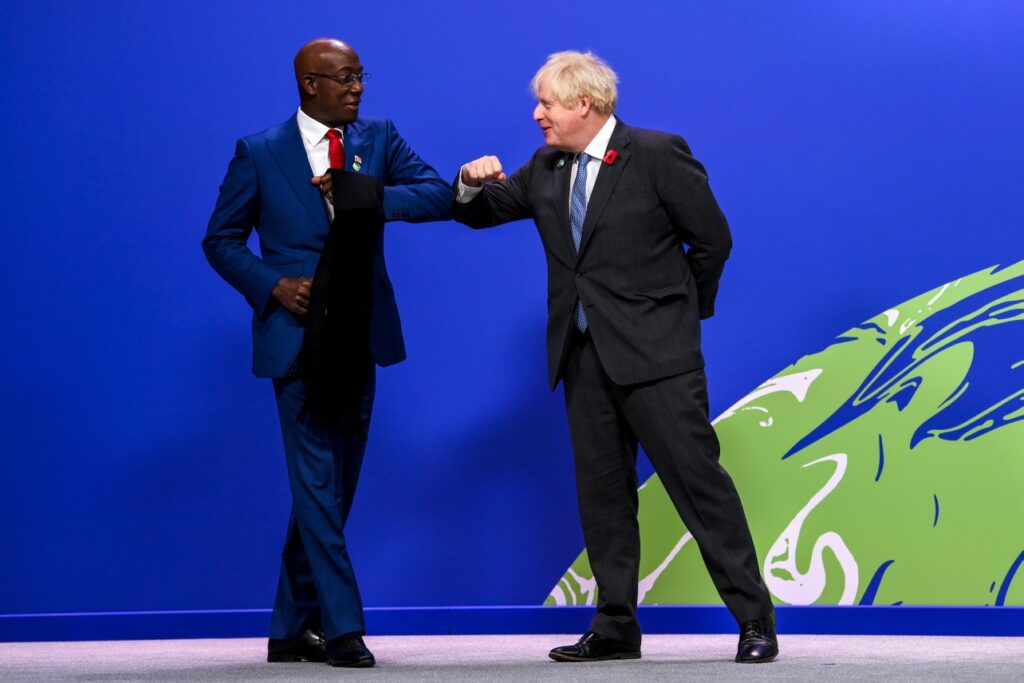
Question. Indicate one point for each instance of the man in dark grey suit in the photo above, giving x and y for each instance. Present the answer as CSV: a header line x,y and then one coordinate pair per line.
x,y
615,206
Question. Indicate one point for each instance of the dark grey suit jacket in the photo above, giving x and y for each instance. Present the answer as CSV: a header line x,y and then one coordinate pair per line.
x,y
643,292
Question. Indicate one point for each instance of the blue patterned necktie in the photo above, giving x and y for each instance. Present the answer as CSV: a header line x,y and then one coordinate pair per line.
x,y
577,212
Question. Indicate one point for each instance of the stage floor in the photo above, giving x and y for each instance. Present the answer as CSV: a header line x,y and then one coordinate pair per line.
x,y
524,658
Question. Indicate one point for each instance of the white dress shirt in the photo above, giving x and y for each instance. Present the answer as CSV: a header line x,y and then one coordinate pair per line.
x,y
596,149
314,139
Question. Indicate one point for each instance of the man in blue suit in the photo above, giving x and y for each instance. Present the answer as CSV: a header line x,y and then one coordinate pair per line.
x,y
271,185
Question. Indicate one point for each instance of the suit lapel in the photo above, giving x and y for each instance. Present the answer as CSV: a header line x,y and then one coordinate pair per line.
x,y
563,173
290,154
607,179
358,143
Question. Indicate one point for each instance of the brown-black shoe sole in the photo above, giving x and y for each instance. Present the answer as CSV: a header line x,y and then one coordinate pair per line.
x,y
292,659
561,657
363,663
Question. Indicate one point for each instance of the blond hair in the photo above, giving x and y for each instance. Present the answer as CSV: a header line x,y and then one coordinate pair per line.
x,y
571,76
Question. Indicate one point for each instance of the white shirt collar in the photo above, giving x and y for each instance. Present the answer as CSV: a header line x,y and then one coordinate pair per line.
x,y
312,131
599,145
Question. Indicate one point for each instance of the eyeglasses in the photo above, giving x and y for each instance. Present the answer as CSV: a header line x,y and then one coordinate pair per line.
x,y
348,81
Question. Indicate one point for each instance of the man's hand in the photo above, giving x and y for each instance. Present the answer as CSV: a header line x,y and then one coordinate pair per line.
x,y
324,182
293,293
481,171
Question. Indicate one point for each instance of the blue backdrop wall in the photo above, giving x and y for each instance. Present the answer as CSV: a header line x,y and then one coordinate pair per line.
x,y
864,152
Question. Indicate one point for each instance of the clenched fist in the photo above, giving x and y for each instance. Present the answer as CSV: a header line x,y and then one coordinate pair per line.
x,y
325,183
481,171
293,293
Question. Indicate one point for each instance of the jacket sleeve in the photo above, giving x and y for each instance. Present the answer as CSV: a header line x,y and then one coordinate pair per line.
x,y
498,202
413,191
686,195
234,217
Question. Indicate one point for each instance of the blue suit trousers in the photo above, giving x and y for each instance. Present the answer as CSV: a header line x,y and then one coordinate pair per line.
x,y
317,585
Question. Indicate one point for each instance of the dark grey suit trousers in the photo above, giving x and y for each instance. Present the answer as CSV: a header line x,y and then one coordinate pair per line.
x,y
669,418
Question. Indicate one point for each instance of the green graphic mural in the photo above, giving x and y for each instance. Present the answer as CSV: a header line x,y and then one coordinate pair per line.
x,y
886,469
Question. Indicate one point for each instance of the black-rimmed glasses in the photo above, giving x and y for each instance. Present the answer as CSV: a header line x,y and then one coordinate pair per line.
x,y
348,80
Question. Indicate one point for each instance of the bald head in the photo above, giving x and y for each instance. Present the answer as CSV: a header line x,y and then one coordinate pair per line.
x,y
321,69
316,55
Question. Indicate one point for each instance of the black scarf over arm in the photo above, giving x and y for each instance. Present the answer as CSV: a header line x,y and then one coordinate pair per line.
x,y
335,356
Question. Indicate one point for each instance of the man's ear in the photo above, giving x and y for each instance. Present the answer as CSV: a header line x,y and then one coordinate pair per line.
x,y
585,105
308,85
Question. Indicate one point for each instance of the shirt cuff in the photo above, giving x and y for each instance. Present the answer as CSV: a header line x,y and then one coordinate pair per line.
x,y
466,194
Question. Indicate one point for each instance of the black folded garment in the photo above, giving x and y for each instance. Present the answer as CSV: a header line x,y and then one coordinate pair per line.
x,y
335,355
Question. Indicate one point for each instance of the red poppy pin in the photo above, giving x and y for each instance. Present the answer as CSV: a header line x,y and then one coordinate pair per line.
x,y
610,157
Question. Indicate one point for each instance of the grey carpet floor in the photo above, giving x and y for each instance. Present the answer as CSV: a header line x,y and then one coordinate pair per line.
x,y
524,658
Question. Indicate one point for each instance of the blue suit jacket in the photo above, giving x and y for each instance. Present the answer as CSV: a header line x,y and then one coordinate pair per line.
x,y
267,187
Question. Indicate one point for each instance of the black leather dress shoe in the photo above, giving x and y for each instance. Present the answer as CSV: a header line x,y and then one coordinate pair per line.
x,y
309,647
349,651
758,642
595,648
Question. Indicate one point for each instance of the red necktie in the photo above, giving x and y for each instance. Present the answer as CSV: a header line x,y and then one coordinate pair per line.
x,y
335,149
